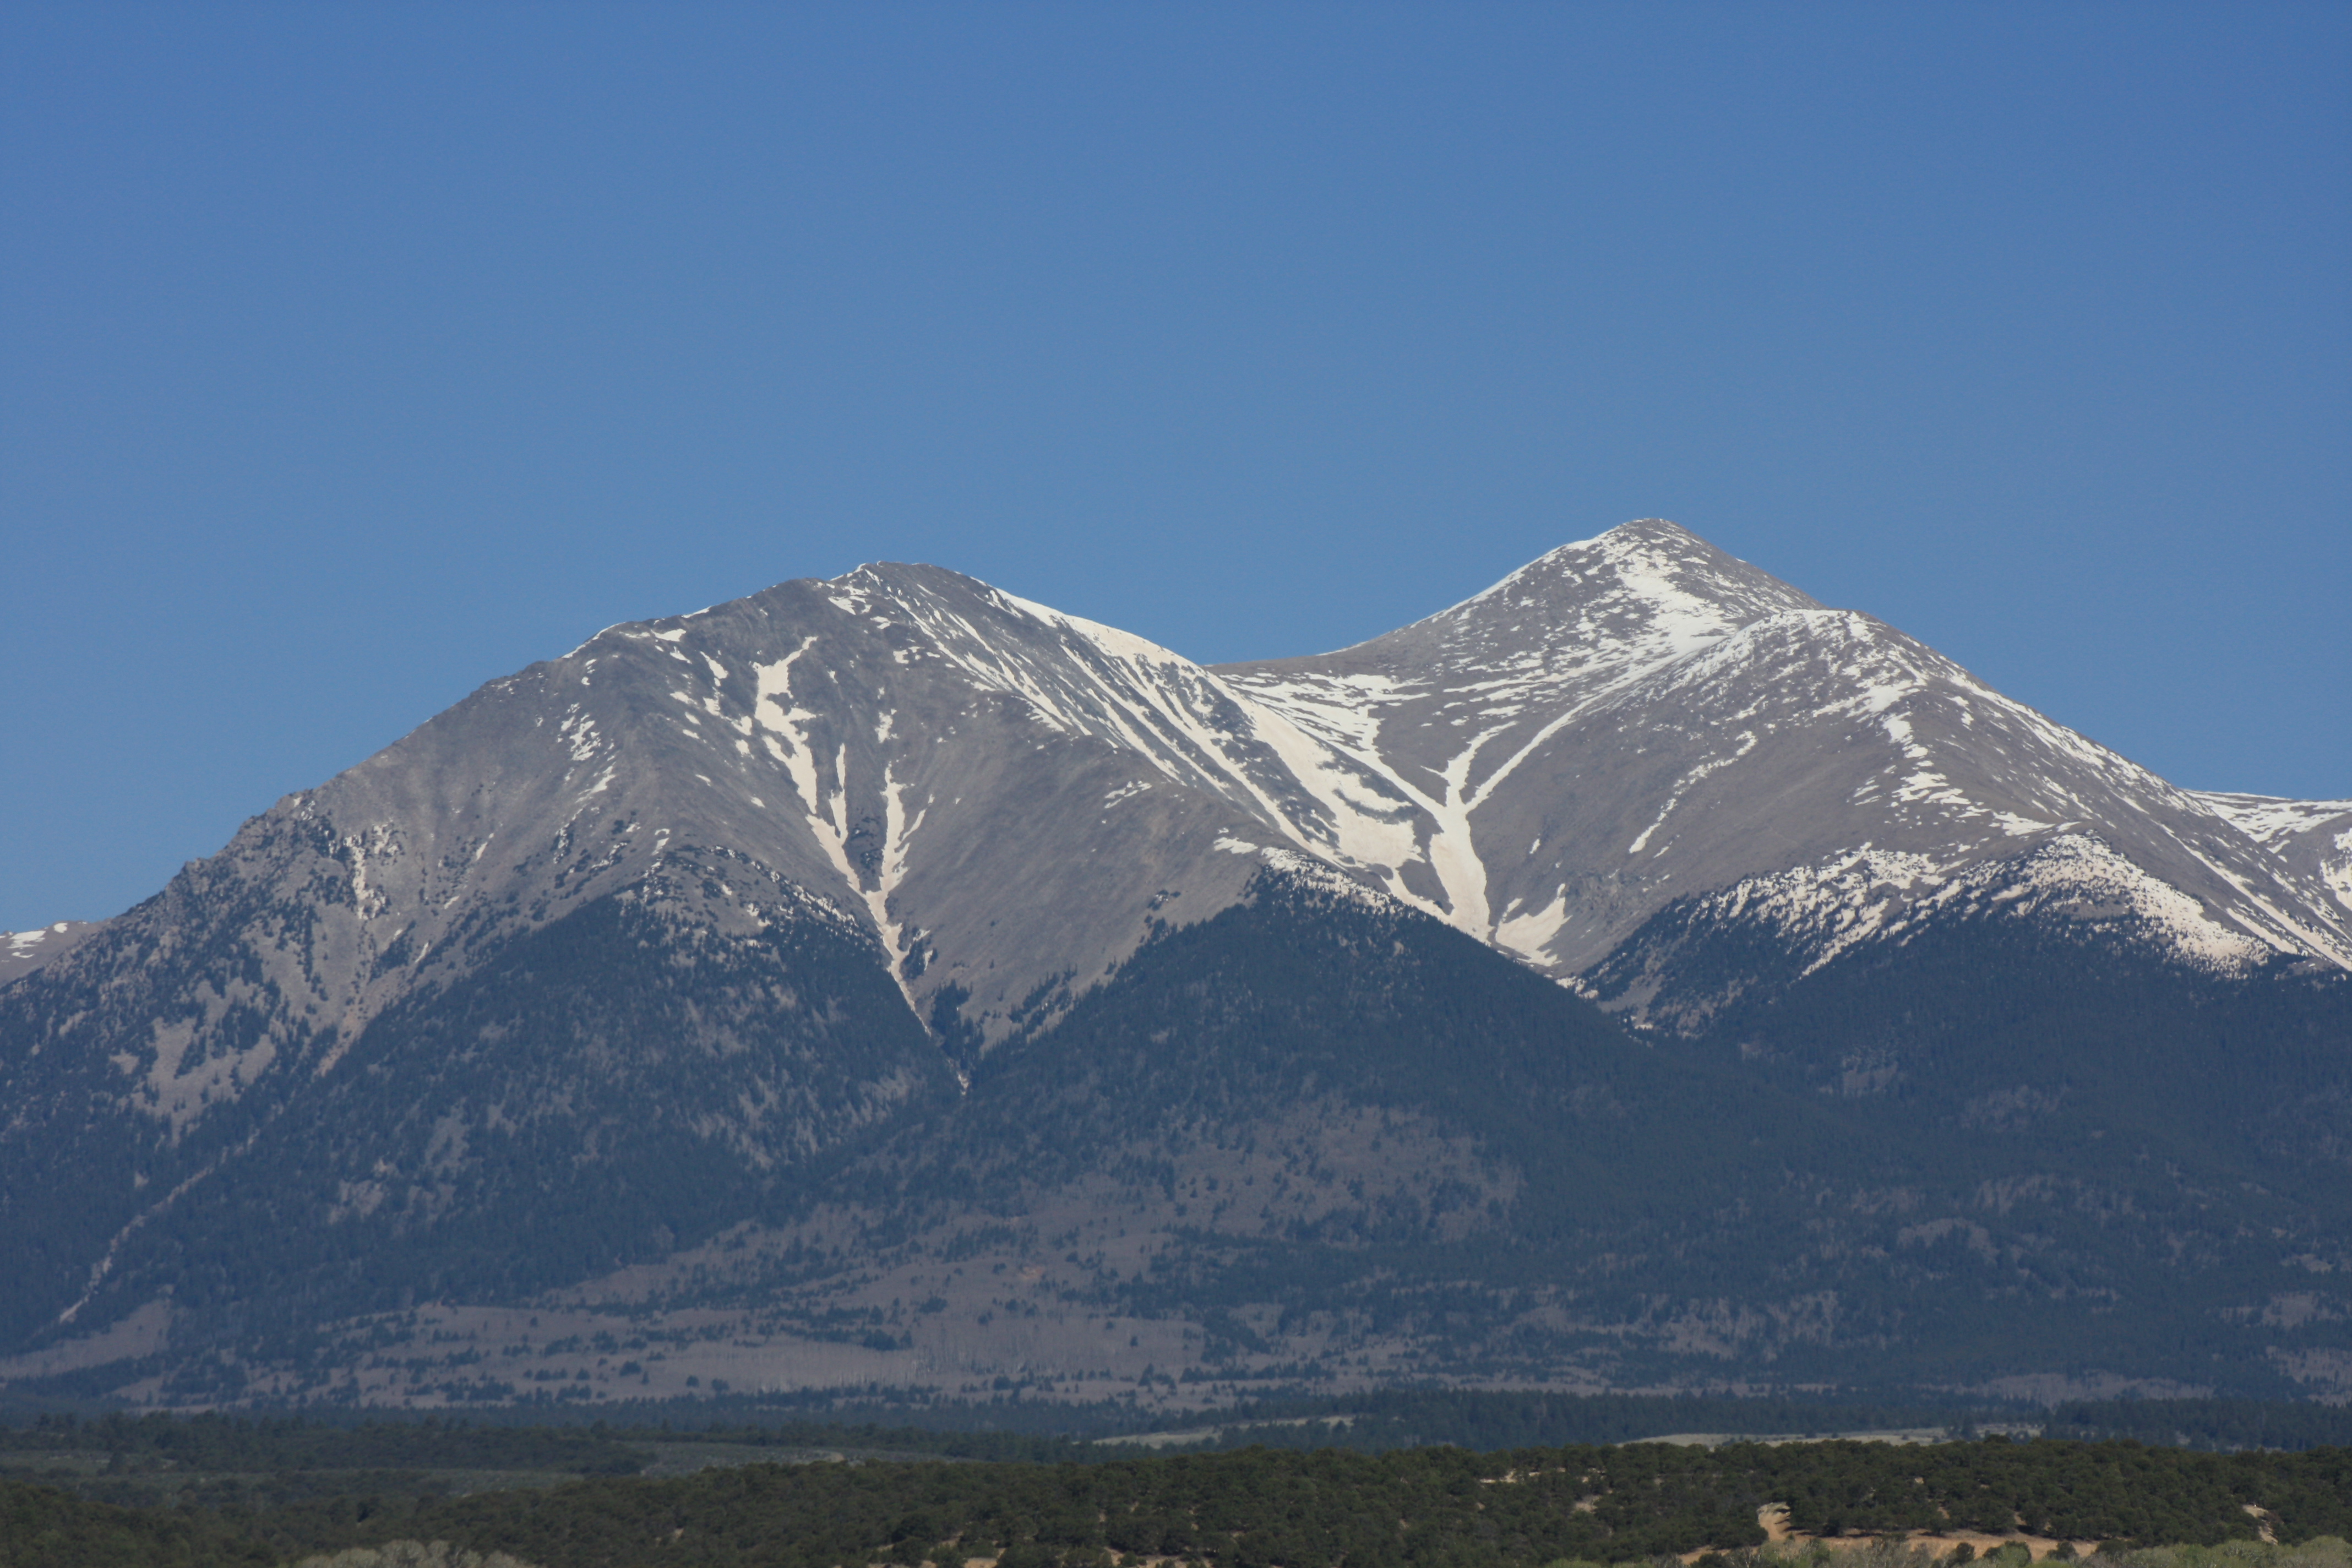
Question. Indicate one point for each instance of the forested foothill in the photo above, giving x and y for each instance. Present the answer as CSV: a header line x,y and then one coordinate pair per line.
x,y
116,1448
214,1489
1481,1419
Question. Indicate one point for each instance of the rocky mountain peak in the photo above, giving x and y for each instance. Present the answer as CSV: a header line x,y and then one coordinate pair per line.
x,y
632,946
1595,610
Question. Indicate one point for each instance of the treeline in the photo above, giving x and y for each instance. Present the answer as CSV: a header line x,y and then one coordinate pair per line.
x,y
2205,1423
1476,1419
41,1527
872,1438
1483,1419
262,1445
290,1444
1473,1419
1407,1508
2083,1492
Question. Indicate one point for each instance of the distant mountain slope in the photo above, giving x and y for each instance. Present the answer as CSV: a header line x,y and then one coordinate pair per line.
x,y
1336,1128
783,959
2314,836
1639,718
23,952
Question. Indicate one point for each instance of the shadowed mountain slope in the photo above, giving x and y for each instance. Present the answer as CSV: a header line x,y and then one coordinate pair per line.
x,y
1637,972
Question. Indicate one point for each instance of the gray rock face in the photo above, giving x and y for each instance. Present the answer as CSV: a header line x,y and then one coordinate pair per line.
x,y
605,953
976,785
2314,836
1008,800
1639,718
23,952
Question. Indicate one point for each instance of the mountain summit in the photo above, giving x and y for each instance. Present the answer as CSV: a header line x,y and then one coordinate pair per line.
x,y
1639,719
792,921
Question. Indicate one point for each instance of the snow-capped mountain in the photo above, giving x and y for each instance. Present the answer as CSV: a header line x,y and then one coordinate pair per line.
x,y
23,952
1010,799
2313,837
1629,720
1639,718
710,900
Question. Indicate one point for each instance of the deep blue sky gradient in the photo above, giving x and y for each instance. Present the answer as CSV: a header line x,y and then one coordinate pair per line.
x,y
351,356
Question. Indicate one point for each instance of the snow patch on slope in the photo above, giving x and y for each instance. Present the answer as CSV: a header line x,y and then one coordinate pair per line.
x,y
1530,935
2266,818
1821,912
22,951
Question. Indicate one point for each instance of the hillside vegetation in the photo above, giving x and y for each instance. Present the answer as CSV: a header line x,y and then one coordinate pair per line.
x,y
1414,1508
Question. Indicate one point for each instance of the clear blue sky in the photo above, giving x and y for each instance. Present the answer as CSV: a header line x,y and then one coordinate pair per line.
x,y
352,355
